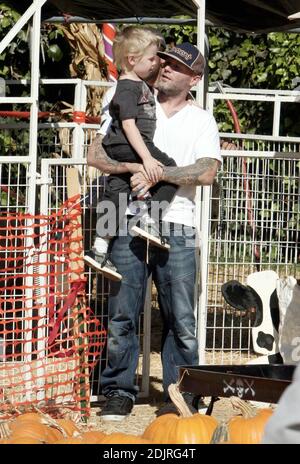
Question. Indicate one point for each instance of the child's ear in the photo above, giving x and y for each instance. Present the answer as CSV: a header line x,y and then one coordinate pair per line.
x,y
132,59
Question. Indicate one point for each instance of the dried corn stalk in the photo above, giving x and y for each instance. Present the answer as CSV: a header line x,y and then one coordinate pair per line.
x,y
88,60
88,63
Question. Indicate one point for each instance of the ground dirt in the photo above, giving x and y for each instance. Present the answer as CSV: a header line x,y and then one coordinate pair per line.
x,y
145,409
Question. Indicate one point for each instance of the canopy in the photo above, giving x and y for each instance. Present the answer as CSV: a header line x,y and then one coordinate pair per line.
x,y
239,15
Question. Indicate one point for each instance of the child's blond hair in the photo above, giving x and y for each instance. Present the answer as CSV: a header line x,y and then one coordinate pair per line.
x,y
134,40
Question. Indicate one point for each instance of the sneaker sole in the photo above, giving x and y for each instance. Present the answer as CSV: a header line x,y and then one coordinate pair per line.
x,y
113,418
104,270
143,234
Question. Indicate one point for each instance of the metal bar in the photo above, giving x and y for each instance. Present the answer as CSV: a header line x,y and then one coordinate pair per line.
x,y
16,100
276,117
201,45
253,91
34,7
14,159
202,301
279,138
261,154
33,132
202,215
133,20
44,81
258,97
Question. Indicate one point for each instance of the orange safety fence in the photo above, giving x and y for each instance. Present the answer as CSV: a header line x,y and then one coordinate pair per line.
x,y
49,339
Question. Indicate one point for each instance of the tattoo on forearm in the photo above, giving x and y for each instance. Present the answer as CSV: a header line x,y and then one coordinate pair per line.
x,y
99,158
194,174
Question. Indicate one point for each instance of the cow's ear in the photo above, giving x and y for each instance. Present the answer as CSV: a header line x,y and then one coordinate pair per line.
x,y
240,296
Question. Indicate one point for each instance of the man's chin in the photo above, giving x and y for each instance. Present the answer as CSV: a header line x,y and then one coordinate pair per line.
x,y
167,87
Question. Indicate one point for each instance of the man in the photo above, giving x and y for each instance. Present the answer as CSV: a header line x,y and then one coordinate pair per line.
x,y
189,135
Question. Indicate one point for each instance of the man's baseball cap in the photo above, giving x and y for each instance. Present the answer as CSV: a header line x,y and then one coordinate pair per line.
x,y
187,54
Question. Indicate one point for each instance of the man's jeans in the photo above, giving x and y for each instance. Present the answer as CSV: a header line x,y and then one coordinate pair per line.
x,y
174,274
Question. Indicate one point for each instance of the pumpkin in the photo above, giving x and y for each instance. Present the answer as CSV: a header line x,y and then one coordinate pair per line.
x,y
187,428
246,428
68,426
121,438
69,441
86,438
31,416
4,441
92,437
25,441
34,430
56,428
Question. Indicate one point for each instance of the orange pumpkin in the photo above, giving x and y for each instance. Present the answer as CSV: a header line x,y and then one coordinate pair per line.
x,y
120,438
25,441
247,428
31,416
58,428
187,428
68,426
34,430
92,437
69,441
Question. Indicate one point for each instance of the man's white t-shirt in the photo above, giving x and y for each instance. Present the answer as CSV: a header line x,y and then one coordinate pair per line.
x,y
188,135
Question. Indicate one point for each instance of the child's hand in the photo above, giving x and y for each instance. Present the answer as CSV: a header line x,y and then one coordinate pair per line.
x,y
153,169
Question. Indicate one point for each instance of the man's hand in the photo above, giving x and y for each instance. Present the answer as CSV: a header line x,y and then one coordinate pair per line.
x,y
225,145
133,168
153,169
141,184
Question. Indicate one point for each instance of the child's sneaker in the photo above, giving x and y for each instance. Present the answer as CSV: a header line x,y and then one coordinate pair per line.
x,y
149,230
101,263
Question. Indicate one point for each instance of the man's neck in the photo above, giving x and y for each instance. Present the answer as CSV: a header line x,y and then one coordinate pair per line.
x,y
171,104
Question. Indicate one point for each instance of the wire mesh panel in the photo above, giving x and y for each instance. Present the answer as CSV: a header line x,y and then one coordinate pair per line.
x,y
53,194
14,185
254,225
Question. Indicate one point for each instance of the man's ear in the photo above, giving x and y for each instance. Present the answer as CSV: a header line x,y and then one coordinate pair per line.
x,y
195,80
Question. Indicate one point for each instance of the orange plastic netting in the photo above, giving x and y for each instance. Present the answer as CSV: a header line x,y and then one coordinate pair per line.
x,y
49,339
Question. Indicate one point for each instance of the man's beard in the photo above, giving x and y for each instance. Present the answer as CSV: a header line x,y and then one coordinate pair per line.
x,y
168,88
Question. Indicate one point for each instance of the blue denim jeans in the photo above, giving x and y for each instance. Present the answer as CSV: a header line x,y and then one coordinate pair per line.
x,y
174,273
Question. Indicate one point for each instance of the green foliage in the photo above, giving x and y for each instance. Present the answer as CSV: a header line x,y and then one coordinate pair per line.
x,y
267,61
14,61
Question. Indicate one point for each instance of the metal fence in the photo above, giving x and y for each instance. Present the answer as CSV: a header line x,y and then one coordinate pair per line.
x,y
253,225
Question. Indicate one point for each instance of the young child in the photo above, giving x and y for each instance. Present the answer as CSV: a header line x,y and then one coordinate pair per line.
x,y
130,140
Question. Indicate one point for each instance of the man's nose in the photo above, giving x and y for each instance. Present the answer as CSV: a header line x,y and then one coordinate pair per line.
x,y
167,66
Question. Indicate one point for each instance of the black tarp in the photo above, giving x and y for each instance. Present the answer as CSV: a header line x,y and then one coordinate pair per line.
x,y
239,15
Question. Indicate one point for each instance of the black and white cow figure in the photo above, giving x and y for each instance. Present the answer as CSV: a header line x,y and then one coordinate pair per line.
x,y
259,294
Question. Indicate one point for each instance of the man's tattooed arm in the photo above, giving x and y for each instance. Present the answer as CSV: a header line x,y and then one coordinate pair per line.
x,y
97,158
200,173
